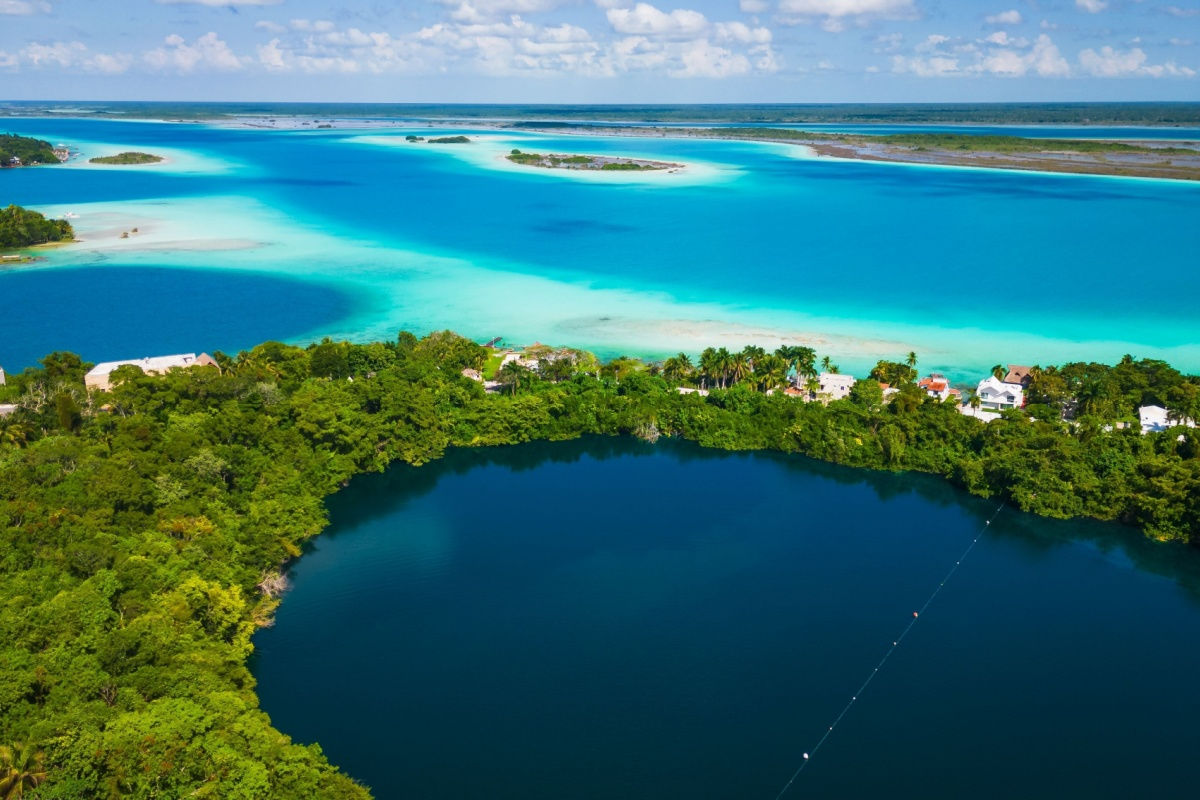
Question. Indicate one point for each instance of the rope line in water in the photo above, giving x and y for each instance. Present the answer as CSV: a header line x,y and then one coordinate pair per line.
x,y
888,654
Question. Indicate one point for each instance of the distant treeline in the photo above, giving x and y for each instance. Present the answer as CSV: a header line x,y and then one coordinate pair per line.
x,y
29,151
1151,113
21,227
130,157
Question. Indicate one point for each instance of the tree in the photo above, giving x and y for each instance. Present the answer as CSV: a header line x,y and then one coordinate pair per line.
x,y
710,366
514,376
21,767
893,373
911,360
328,360
998,372
739,368
724,362
826,364
677,368
751,353
770,372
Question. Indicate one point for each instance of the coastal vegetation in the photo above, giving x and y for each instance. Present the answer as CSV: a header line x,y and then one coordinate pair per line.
x,y
127,158
565,161
20,227
450,140
145,532
25,151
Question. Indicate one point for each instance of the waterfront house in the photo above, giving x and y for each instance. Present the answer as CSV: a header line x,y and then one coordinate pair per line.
x,y
1156,419
690,390
996,395
1018,374
936,385
98,377
7,408
835,385
2,378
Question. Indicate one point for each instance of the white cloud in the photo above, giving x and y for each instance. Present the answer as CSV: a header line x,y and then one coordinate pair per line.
x,y
206,52
1010,17
1175,41
269,26
1091,6
941,56
1109,63
220,3
20,8
1047,25
835,15
753,6
73,56
1176,11
647,20
741,32
700,59
934,66
477,11
888,42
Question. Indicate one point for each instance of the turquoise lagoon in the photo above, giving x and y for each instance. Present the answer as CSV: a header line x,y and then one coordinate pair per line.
x,y
750,243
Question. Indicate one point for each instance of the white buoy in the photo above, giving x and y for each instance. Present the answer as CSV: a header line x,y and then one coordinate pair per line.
x,y
806,756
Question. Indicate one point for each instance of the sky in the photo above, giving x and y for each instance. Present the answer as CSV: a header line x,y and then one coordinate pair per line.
x,y
600,51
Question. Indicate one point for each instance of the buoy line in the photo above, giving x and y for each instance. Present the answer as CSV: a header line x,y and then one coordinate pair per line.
x,y
916,615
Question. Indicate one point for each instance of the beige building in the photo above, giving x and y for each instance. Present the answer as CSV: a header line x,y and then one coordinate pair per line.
x,y
98,377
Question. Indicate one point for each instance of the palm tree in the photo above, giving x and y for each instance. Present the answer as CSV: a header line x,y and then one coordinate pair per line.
x,y
752,353
709,368
724,360
514,376
975,402
677,368
812,386
911,359
739,368
998,372
21,768
826,363
770,372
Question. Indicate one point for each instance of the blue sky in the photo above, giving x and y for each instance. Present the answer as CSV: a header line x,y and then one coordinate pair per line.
x,y
601,50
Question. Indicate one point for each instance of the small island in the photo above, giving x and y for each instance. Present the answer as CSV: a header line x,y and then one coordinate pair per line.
x,y
599,163
20,227
127,158
23,151
447,140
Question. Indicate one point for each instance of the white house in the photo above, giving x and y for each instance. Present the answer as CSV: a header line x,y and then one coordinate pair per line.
x,y
2,378
7,408
98,377
835,385
1156,419
996,395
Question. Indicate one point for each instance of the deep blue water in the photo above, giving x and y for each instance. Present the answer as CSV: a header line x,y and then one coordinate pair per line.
x,y
131,312
608,619
979,254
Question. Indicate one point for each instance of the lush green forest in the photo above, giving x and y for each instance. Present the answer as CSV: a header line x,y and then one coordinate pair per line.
x,y
450,140
127,158
20,227
29,151
145,533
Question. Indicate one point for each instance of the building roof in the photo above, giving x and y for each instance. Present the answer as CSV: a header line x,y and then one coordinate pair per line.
x,y
154,363
995,386
835,379
1018,373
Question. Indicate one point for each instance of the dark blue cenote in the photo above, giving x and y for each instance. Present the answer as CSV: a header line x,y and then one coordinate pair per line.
x,y
610,619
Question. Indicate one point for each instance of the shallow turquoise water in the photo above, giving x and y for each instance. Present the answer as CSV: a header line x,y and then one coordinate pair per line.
x,y
968,267
609,619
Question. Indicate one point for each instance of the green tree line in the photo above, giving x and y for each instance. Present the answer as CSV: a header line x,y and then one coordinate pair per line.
x,y
28,150
20,227
145,532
